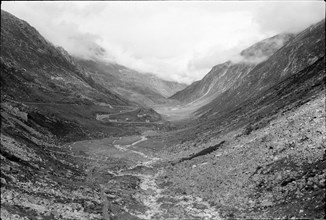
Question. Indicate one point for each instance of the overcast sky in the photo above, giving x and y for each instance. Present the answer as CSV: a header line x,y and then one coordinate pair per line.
x,y
177,40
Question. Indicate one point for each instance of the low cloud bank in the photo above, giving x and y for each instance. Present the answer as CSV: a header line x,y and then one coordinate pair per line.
x,y
178,41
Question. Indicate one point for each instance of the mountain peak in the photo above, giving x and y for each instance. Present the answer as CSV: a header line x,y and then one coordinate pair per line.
x,y
222,76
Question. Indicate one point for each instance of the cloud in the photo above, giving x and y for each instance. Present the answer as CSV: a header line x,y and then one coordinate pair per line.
x,y
178,41
262,50
293,16
237,58
55,23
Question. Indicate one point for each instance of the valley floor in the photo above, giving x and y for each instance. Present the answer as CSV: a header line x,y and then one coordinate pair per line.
x,y
277,171
129,174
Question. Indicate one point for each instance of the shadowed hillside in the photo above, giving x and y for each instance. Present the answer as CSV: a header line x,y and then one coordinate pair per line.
x,y
35,70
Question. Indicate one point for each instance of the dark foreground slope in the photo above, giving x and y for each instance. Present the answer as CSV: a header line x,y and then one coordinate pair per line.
x,y
40,179
260,153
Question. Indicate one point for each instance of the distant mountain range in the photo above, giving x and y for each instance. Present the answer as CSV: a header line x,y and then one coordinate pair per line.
x,y
145,89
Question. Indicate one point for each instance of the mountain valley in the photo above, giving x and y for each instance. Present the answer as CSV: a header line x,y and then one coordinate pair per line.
x,y
89,139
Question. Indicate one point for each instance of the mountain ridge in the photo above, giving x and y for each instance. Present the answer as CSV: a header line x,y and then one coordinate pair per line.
x,y
297,54
222,76
40,67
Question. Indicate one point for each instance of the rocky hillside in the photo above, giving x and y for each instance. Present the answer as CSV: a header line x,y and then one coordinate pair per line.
x,y
273,168
229,74
259,152
145,89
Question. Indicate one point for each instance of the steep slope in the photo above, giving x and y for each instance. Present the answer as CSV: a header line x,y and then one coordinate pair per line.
x,y
301,52
258,151
36,73
34,70
229,74
146,89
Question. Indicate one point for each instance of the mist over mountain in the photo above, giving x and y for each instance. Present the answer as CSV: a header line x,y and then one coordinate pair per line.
x,y
229,74
178,41
85,137
146,89
262,50
304,50
38,71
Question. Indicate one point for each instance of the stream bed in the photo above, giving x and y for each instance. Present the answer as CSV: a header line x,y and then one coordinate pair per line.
x,y
158,204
